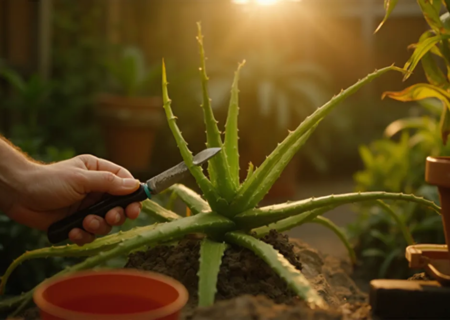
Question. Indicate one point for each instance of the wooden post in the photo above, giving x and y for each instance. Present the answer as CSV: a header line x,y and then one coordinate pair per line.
x,y
44,38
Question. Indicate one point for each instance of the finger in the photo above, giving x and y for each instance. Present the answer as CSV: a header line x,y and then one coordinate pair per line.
x,y
80,237
88,201
98,164
96,225
133,210
106,182
115,217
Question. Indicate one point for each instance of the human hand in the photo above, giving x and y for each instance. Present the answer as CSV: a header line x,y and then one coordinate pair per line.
x,y
43,194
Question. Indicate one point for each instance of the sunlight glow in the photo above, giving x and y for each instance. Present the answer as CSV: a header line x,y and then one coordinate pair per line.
x,y
266,2
262,2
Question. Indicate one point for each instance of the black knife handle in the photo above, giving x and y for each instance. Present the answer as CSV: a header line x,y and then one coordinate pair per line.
x,y
59,231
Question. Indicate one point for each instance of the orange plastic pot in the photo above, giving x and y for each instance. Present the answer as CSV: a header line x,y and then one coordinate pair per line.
x,y
112,295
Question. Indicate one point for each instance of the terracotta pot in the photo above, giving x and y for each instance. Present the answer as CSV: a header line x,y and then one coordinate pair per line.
x,y
129,125
437,173
111,294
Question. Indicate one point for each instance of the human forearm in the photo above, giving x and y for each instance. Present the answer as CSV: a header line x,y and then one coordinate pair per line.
x,y
13,167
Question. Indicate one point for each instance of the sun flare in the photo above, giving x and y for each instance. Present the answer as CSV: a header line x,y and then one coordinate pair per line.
x,y
260,2
266,2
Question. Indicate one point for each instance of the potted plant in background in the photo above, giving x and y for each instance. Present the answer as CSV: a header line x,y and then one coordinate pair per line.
x,y
131,113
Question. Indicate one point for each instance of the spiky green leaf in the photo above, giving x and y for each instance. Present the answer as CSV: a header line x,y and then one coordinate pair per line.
x,y
293,277
205,185
219,170
254,218
291,222
211,253
100,244
333,227
231,130
250,170
247,190
157,212
191,198
260,182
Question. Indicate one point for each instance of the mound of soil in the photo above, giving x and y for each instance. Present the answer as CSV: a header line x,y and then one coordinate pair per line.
x,y
249,289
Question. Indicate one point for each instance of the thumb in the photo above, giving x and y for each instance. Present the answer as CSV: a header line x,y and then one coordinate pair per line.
x,y
107,182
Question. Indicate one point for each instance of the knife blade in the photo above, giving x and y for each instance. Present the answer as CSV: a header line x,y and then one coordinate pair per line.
x,y
59,231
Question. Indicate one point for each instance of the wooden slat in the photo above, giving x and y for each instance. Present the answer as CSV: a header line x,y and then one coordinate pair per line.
x,y
20,27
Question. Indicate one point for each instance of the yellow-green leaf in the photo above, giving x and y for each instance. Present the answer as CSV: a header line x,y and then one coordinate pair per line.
x,y
421,49
389,6
424,91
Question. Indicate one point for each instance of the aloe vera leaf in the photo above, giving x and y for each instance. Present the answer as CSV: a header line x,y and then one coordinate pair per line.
x,y
158,212
231,130
205,185
254,193
14,302
406,234
211,253
203,223
240,203
171,201
73,250
219,169
257,217
294,278
421,49
333,227
250,170
24,303
191,198
291,222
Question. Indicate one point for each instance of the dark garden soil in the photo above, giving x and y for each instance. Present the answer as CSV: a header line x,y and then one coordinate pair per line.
x,y
248,289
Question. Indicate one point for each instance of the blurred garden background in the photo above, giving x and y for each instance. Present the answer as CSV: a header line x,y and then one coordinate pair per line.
x,y
85,77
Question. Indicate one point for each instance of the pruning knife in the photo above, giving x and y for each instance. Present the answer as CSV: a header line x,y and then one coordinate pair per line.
x,y
59,231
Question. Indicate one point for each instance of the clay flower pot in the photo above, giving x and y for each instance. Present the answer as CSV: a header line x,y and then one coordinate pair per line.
x,y
111,294
129,125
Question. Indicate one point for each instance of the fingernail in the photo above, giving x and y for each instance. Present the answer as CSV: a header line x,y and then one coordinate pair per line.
x,y
94,224
117,218
129,183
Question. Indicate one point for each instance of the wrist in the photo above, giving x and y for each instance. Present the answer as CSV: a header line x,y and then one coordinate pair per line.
x,y
14,168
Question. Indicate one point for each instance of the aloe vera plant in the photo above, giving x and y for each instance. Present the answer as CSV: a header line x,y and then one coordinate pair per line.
x,y
226,212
